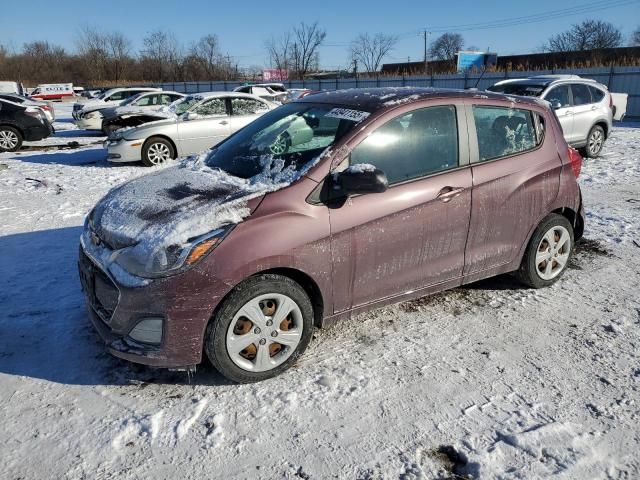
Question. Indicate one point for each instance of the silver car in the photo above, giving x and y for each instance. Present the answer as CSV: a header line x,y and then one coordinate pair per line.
x,y
193,124
583,106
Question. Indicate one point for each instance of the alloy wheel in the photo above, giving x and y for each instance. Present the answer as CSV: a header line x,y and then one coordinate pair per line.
x,y
553,252
8,139
158,153
280,145
264,332
595,141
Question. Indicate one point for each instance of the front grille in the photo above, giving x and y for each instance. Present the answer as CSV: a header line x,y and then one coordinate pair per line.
x,y
101,292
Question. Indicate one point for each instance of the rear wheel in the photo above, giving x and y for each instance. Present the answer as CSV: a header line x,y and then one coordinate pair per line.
x,y
260,330
595,142
10,139
281,145
548,252
156,151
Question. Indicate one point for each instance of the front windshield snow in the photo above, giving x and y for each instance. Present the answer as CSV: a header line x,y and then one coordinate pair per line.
x,y
284,141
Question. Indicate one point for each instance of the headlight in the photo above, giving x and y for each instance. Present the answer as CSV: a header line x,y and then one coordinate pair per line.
x,y
146,262
91,115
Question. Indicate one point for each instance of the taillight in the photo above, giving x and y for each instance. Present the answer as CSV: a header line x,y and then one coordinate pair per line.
x,y
610,101
575,159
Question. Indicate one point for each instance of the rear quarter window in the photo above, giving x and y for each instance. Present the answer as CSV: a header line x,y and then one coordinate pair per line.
x,y
502,132
596,94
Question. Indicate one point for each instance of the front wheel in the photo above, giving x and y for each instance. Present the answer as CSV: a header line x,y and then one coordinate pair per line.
x,y
10,139
156,151
548,252
260,330
595,142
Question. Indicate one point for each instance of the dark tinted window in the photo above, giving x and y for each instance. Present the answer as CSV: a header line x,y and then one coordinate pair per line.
x,y
559,95
524,89
581,94
419,143
503,131
596,94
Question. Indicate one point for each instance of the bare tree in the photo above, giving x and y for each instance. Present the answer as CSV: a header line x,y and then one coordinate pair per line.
x,y
304,53
119,51
635,37
370,50
446,46
92,46
588,35
207,59
279,50
162,56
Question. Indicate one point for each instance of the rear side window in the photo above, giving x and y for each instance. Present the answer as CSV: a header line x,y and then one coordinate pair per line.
x,y
413,145
503,131
581,94
596,94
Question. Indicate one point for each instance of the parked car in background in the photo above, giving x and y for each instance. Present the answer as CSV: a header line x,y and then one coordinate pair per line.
x,y
136,107
19,123
296,93
12,87
195,123
273,92
241,253
53,91
109,98
583,106
46,107
92,117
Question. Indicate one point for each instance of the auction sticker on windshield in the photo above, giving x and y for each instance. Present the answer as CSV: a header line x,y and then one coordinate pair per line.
x,y
347,114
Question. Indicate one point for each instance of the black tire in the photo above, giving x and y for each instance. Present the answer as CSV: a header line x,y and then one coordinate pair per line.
x,y
595,142
15,134
215,342
528,271
156,143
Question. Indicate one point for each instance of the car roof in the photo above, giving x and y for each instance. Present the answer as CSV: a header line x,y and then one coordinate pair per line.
x,y
227,94
547,80
372,99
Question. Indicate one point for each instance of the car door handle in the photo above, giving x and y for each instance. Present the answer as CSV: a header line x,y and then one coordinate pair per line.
x,y
224,122
594,108
568,112
447,193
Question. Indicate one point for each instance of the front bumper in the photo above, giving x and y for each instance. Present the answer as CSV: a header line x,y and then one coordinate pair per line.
x,y
115,310
124,150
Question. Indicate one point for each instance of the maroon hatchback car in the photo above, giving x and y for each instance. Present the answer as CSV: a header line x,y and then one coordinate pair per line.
x,y
321,209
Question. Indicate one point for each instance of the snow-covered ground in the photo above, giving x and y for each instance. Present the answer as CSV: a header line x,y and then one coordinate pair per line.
x,y
487,381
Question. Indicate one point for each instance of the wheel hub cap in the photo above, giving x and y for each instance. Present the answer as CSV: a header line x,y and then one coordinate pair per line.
x,y
265,332
8,140
553,253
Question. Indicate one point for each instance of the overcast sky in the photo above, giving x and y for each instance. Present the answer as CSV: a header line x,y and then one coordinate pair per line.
x,y
243,26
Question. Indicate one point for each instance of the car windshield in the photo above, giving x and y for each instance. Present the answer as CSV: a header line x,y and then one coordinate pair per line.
x,y
522,89
183,104
285,139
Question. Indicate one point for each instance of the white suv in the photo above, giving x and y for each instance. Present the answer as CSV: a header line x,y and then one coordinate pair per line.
x,y
583,106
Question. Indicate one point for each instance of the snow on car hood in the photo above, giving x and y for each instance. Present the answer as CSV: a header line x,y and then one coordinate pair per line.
x,y
168,208
160,111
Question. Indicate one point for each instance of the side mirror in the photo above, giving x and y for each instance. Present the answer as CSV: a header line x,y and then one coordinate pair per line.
x,y
361,179
190,116
556,105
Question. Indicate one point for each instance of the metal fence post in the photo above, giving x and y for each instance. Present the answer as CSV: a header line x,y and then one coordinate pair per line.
x,y
404,84
377,80
610,77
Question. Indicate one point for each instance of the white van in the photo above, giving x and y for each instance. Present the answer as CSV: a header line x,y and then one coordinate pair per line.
x,y
53,91
12,87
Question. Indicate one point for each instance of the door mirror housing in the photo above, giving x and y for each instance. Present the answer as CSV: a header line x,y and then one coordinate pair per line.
x,y
186,116
360,179
556,105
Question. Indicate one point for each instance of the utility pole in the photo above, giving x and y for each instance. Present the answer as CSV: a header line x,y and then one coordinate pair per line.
x,y
425,35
